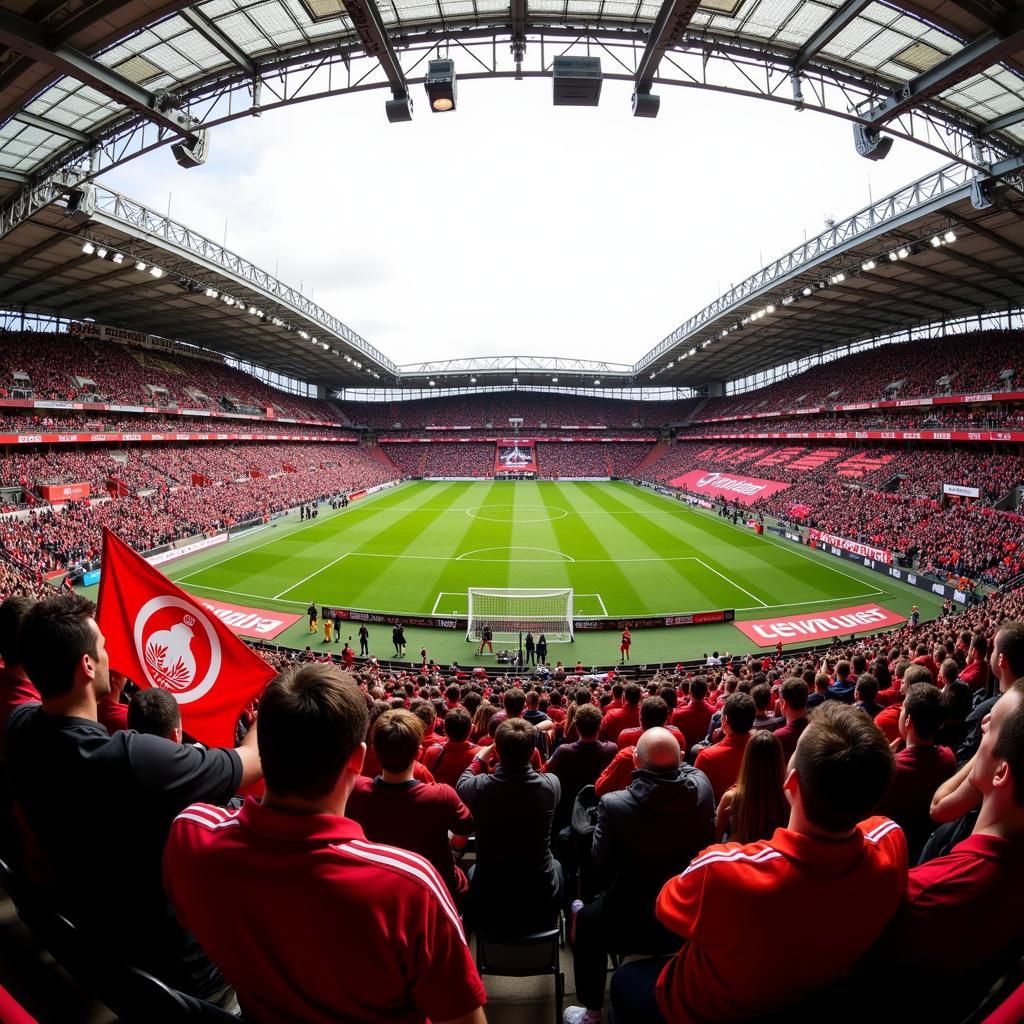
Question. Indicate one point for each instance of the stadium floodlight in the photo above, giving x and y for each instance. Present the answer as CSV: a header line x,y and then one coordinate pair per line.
x,y
903,253
252,311
949,237
597,383
509,612
576,81
868,265
140,266
769,309
118,257
554,380
837,278
88,248
441,85
807,290
893,257
432,383
515,380
472,380
211,293
101,252
156,271
670,364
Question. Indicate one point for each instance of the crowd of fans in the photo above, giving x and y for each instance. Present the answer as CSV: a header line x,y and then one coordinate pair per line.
x,y
124,375
967,363
237,490
865,802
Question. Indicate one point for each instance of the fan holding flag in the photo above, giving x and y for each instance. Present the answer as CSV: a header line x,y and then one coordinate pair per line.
x,y
99,804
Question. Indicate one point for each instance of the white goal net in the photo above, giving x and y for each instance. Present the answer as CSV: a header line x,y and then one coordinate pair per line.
x,y
507,613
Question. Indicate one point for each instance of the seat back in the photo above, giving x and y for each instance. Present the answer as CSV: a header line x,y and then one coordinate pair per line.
x,y
518,956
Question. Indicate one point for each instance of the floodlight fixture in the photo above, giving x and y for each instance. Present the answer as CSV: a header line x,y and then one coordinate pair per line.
x,y
576,81
903,253
770,309
472,380
432,383
140,266
399,109
949,237
515,380
252,311
101,252
118,257
807,290
868,265
554,380
597,383
88,248
440,85
211,293
837,278
893,257
936,241
156,271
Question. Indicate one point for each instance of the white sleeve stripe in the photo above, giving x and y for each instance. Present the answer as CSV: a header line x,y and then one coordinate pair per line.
x,y
718,854
417,860
735,856
215,813
408,869
187,816
880,833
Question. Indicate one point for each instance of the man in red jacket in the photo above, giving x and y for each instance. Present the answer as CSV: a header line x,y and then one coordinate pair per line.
x,y
734,900
693,719
448,760
721,761
622,718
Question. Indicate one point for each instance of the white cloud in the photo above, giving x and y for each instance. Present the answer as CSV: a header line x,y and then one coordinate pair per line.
x,y
513,227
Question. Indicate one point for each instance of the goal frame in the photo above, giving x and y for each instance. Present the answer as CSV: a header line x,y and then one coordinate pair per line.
x,y
557,628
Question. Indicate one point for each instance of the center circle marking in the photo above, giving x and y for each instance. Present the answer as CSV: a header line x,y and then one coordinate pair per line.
x,y
515,513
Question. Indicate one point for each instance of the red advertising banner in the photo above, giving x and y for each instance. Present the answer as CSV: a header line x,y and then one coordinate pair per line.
x,y
878,554
744,489
987,436
113,438
861,618
252,622
55,494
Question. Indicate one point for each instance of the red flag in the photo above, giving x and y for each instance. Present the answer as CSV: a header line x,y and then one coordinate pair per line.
x,y
158,635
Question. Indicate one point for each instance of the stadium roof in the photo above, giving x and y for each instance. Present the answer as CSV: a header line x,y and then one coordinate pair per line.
x,y
100,81
85,86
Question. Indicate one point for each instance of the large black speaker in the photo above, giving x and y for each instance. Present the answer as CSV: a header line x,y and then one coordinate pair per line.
x,y
193,150
577,81
870,144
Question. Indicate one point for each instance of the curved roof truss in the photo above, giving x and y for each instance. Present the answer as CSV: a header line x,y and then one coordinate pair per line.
x,y
876,65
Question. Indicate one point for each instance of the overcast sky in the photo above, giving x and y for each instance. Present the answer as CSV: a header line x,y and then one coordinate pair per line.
x,y
513,227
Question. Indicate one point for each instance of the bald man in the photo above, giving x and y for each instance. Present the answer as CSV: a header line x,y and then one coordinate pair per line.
x,y
645,835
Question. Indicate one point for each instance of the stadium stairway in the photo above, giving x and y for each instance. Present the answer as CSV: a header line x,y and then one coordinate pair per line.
x,y
651,457
382,457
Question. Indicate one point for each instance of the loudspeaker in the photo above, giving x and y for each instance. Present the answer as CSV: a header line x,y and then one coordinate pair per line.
x,y
193,150
870,144
577,81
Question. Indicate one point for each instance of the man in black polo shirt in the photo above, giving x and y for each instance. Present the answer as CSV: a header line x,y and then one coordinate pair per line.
x,y
99,807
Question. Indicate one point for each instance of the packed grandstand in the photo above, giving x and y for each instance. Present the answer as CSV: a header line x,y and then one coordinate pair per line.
x,y
514,688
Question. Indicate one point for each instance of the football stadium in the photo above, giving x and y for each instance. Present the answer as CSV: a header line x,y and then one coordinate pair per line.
x,y
360,664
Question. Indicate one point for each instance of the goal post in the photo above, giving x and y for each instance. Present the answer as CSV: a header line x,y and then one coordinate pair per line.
x,y
511,612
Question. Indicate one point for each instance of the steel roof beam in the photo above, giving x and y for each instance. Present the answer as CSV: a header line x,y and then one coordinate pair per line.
x,y
985,51
26,37
1002,123
213,35
53,127
667,32
369,26
992,236
518,11
832,27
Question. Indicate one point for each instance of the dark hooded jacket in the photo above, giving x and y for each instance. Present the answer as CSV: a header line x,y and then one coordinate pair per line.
x,y
647,833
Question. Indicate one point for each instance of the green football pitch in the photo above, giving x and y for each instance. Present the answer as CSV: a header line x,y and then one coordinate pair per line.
x,y
625,551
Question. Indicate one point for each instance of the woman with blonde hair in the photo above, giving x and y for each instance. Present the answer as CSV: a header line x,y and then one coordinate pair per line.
x,y
481,721
756,806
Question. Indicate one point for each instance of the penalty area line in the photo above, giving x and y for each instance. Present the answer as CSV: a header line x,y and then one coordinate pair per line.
x,y
323,568
753,597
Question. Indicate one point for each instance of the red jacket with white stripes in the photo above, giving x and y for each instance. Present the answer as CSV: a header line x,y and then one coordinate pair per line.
x,y
309,921
735,902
